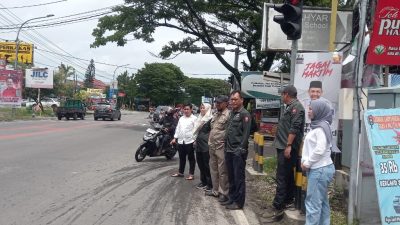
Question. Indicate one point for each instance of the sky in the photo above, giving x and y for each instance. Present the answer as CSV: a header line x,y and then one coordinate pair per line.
x,y
75,39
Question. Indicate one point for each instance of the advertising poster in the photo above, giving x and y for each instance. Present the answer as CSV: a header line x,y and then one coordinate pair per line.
x,y
325,67
39,78
384,48
10,87
25,52
254,86
383,131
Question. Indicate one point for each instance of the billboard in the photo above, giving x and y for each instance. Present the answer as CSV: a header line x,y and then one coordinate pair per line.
x,y
25,52
325,67
384,48
255,86
10,87
383,131
315,31
39,78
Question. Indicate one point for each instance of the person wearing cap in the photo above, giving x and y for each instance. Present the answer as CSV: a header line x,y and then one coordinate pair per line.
x,y
216,142
287,142
236,150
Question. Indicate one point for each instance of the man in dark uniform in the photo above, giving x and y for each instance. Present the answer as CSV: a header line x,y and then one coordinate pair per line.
x,y
236,144
287,143
169,123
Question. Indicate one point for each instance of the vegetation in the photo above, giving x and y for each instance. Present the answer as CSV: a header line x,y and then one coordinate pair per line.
x,y
89,75
6,114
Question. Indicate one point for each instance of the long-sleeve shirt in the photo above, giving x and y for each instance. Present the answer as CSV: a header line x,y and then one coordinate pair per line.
x,y
316,150
238,130
184,129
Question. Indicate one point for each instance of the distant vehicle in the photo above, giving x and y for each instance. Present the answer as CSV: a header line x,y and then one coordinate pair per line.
x,y
106,110
142,108
156,114
72,109
46,102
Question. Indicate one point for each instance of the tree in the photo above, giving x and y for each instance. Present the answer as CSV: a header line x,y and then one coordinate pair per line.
x,y
197,87
66,71
215,22
161,82
90,75
127,85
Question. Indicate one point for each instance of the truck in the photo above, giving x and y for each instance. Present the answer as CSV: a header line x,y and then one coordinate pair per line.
x,y
71,108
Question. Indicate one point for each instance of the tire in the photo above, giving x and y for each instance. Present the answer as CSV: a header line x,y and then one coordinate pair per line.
x,y
67,117
96,118
112,118
119,118
140,153
59,117
75,116
104,118
171,154
82,116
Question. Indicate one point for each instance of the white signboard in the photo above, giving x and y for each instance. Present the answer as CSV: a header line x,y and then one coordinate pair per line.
x,y
39,78
325,67
315,31
255,86
267,103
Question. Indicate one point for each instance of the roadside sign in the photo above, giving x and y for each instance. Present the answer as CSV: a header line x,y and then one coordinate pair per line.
x,y
10,87
315,34
25,52
39,78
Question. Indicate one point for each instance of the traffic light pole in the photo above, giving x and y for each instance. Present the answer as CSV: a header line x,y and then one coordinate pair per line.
x,y
293,54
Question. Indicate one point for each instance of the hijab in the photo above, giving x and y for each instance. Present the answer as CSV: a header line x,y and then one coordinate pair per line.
x,y
202,119
322,117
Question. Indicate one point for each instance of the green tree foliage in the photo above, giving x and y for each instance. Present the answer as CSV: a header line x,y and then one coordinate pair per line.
x,y
197,87
66,71
127,85
215,22
89,75
161,82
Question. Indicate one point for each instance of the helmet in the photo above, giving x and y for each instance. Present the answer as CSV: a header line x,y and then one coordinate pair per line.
x,y
169,111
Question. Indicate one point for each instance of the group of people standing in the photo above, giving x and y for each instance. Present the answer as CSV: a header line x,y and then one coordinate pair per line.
x,y
220,141
316,154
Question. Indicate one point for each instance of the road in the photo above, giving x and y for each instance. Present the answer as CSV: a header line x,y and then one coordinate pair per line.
x,y
84,172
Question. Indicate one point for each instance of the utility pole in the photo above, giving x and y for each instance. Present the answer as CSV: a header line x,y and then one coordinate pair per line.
x,y
332,32
293,54
355,151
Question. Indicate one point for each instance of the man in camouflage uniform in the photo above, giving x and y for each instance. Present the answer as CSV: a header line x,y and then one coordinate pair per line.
x,y
216,144
287,143
236,145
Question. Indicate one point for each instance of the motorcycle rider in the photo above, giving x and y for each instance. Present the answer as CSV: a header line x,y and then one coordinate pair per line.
x,y
169,122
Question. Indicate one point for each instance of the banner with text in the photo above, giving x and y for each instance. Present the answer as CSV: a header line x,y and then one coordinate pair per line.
x,y
10,87
384,46
39,78
383,131
325,67
25,52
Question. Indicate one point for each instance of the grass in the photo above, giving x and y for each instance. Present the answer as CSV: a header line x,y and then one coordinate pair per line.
x,y
6,114
267,192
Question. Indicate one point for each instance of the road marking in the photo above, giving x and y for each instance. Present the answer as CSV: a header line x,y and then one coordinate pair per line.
x,y
240,217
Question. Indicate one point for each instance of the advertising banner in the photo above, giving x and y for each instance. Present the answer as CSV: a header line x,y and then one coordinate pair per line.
x,y
383,131
39,78
325,67
254,86
25,52
10,87
384,48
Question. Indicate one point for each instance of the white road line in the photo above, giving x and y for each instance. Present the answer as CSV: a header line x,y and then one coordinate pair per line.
x,y
240,217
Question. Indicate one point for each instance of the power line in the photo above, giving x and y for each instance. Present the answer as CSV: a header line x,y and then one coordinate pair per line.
x,y
28,6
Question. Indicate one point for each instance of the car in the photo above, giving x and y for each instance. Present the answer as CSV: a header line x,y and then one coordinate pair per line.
x,y
142,108
157,112
107,111
46,102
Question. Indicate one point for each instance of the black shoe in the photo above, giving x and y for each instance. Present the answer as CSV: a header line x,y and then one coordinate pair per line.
x,y
201,186
233,206
273,213
212,193
227,202
207,188
222,198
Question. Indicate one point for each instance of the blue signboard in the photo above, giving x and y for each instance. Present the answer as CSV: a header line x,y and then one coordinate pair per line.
x,y
383,131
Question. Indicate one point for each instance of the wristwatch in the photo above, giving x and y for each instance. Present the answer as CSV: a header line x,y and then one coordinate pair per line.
x,y
288,145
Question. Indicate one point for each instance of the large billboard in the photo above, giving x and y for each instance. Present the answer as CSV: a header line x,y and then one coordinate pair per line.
x,y
325,67
10,87
384,45
39,78
25,52
255,86
315,31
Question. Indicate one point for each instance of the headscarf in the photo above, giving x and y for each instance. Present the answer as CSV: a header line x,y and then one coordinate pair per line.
x,y
202,119
322,117
329,118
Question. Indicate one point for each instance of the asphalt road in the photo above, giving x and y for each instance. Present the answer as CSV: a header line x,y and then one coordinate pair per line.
x,y
84,172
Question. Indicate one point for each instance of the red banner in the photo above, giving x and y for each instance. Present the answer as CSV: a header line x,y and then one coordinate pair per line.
x,y
10,87
384,48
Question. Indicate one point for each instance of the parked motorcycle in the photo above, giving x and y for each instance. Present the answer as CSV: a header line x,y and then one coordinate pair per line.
x,y
151,144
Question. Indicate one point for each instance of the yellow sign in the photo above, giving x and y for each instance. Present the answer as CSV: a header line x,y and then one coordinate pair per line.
x,y
94,91
25,52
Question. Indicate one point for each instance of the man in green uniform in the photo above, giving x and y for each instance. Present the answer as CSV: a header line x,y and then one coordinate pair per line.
x,y
236,145
287,143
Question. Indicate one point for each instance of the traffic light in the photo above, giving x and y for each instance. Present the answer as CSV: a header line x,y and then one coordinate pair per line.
x,y
290,20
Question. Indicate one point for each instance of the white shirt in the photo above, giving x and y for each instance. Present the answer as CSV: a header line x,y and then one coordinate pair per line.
x,y
316,150
184,129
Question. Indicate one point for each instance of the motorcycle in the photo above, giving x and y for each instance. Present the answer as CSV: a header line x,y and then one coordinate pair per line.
x,y
151,144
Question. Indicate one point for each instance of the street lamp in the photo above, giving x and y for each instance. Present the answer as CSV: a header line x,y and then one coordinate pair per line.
x,y
17,41
113,80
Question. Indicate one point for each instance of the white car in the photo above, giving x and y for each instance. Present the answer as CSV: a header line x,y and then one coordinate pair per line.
x,y
46,102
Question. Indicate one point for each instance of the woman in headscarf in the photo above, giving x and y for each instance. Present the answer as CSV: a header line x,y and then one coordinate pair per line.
x,y
316,161
201,132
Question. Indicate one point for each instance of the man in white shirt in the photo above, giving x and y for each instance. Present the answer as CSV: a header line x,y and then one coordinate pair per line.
x,y
184,136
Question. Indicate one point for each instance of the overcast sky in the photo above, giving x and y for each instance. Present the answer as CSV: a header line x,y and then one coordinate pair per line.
x,y
75,39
